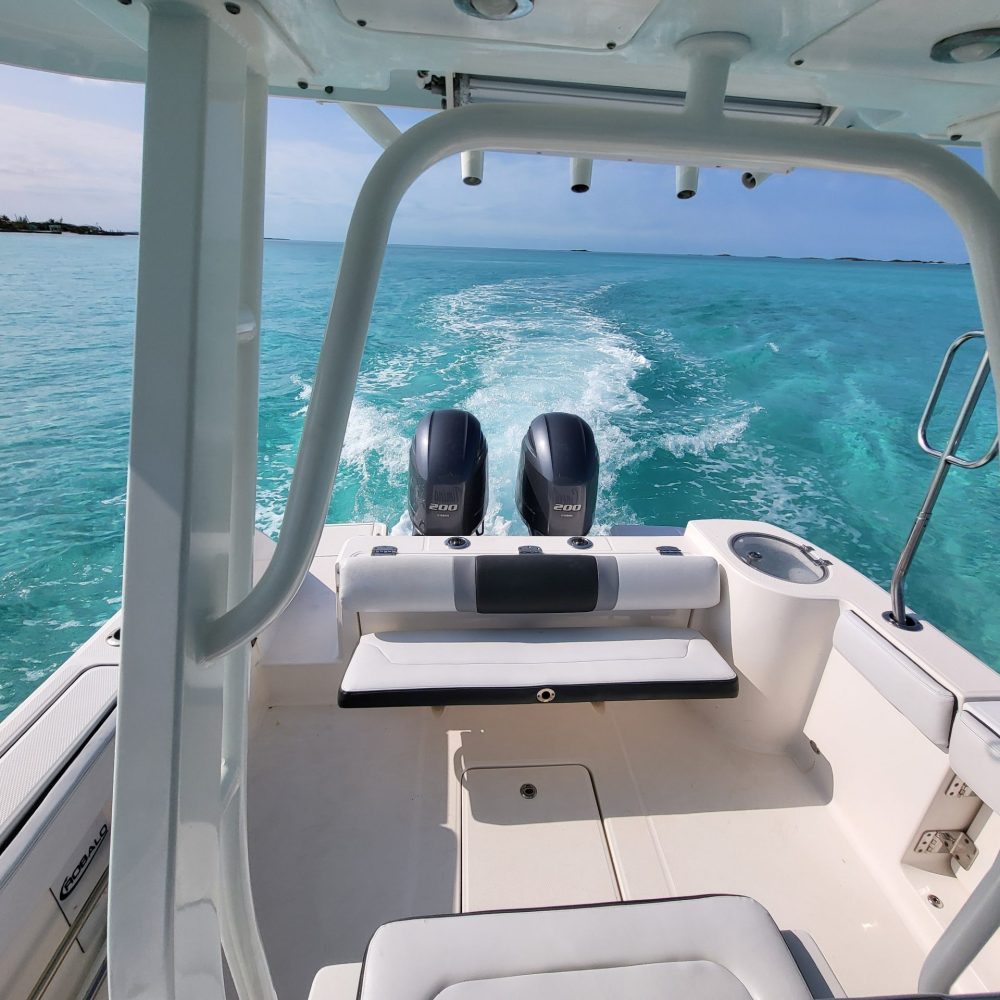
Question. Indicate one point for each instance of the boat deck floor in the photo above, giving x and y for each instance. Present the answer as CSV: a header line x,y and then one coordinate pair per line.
x,y
355,820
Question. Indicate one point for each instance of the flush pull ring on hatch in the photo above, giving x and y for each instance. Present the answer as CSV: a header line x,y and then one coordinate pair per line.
x,y
947,457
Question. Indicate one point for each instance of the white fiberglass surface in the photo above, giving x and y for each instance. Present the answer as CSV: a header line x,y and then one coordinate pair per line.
x,y
872,59
355,820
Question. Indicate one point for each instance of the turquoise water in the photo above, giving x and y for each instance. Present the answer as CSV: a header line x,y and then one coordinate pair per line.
x,y
781,390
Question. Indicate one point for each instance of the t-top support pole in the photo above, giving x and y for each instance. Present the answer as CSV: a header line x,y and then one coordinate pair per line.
x,y
240,935
163,920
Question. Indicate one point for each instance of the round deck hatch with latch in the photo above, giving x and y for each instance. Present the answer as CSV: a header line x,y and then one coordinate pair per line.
x,y
779,558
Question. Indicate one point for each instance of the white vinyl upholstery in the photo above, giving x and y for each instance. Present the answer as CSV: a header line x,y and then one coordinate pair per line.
x,y
650,582
658,979
439,582
702,948
418,583
479,666
975,749
913,692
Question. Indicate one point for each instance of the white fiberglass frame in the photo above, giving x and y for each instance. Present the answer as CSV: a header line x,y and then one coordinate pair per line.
x,y
179,877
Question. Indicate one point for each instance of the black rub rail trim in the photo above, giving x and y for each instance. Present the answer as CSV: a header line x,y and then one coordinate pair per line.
x,y
565,693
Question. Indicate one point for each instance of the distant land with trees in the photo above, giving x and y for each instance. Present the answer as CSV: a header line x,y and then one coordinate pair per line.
x,y
22,224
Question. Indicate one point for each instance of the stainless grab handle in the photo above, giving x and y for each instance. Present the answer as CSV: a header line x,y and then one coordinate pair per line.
x,y
946,459
932,401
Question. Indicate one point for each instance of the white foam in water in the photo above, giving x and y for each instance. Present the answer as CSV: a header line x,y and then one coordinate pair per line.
x,y
404,526
506,352
721,432
372,431
540,354
375,443
270,508
374,435
303,395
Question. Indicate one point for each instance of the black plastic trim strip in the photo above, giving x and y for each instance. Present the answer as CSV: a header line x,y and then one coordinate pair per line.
x,y
565,693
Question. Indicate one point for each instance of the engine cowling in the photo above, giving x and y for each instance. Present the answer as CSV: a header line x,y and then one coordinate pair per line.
x,y
557,475
448,489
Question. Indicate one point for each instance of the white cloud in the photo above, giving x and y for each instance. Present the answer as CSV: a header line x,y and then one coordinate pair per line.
x,y
311,188
312,173
85,171
55,165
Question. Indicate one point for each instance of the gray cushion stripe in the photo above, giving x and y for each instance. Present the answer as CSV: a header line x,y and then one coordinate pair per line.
x,y
607,583
465,583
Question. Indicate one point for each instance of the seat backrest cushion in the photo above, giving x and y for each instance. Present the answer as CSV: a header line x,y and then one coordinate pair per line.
x,y
975,749
525,584
697,980
903,683
419,959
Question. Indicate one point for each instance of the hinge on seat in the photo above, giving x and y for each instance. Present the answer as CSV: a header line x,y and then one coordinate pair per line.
x,y
957,843
958,789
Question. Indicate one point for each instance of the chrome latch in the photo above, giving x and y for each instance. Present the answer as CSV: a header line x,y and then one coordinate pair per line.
x,y
957,843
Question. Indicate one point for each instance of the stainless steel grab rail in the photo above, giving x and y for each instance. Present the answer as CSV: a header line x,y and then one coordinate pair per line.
x,y
942,375
947,457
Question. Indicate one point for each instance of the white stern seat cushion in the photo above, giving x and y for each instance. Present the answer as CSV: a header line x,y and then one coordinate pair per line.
x,y
906,686
700,948
518,584
513,666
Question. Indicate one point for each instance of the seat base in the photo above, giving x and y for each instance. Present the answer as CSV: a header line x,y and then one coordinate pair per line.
x,y
522,666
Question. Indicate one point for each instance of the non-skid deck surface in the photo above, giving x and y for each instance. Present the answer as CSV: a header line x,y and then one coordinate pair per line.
x,y
355,820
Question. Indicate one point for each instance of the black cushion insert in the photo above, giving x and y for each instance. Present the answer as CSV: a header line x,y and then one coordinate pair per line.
x,y
536,584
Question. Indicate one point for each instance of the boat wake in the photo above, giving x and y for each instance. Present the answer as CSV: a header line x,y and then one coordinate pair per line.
x,y
720,431
505,351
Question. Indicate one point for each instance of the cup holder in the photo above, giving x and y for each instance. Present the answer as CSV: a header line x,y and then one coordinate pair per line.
x,y
779,558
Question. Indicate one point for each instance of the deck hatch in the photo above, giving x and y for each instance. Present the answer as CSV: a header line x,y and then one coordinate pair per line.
x,y
533,836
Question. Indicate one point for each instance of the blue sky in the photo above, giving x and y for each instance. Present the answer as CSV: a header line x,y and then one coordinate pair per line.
x,y
72,149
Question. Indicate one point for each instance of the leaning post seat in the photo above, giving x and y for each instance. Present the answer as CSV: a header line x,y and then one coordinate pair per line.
x,y
702,948
536,658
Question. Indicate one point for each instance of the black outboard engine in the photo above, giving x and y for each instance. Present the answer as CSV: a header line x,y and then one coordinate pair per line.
x,y
557,475
448,486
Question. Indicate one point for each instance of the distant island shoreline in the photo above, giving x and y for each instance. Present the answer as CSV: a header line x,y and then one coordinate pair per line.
x,y
22,224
